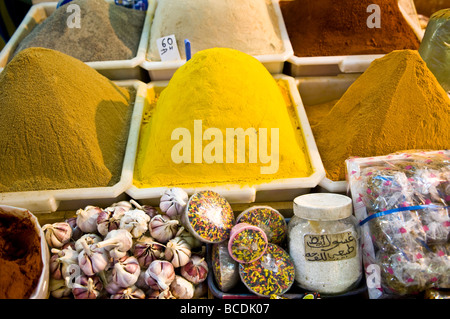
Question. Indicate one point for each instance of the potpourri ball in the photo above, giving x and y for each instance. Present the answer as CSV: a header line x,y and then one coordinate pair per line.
x,y
209,217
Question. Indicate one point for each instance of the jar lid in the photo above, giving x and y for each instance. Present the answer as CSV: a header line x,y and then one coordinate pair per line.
x,y
323,206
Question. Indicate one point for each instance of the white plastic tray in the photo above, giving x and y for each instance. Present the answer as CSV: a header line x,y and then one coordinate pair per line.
x,y
333,65
72,199
322,89
277,190
114,70
160,71
41,290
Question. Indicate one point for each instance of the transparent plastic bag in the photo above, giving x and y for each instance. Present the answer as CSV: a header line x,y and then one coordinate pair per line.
x,y
402,202
435,47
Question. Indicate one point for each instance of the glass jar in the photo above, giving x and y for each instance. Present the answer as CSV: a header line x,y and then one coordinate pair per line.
x,y
324,243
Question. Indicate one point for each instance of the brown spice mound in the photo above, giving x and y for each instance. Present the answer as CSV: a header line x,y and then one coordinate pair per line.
x,y
107,32
62,124
396,105
330,28
20,257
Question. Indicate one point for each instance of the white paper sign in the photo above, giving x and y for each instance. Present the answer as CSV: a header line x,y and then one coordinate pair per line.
x,y
168,49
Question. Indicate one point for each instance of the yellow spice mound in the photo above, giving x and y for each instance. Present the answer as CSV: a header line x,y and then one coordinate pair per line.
x,y
220,89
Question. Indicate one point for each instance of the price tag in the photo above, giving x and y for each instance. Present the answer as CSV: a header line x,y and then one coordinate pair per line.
x,y
168,49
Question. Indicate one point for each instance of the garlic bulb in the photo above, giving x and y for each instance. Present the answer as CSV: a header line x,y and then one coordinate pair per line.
x,y
61,260
136,222
146,250
89,239
109,284
132,292
173,202
196,270
177,252
149,210
181,288
57,234
76,231
87,218
87,287
159,275
126,271
126,206
156,294
117,242
162,228
109,219
58,288
92,259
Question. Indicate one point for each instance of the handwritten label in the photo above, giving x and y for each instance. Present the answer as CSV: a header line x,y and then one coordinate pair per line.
x,y
168,49
330,247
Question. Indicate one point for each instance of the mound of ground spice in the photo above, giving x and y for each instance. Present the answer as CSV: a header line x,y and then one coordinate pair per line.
x,y
62,124
396,105
107,32
20,257
330,28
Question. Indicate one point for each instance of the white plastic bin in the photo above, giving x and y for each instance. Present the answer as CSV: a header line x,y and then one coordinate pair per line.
x,y
277,190
71,199
160,71
322,89
114,70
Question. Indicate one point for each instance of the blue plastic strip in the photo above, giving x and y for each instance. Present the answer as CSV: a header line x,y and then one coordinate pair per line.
x,y
399,209
187,48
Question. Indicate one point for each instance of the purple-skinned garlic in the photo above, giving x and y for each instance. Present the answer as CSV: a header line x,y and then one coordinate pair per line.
x,y
182,288
159,275
108,220
146,250
126,271
173,202
60,262
89,239
87,287
196,270
178,252
135,221
92,259
162,228
149,210
76,231
87,218
132,292
117,242
57,234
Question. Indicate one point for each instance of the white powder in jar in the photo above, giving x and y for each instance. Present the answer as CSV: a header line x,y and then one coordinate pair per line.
x,y
325,272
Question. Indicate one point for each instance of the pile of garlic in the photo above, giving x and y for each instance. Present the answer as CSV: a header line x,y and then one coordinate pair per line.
x,y
127,251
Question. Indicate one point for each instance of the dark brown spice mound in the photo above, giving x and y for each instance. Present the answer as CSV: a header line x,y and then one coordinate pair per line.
x,y
332,28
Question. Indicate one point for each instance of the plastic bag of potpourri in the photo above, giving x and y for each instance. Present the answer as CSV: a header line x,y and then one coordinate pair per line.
x,y
133,4
402,203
